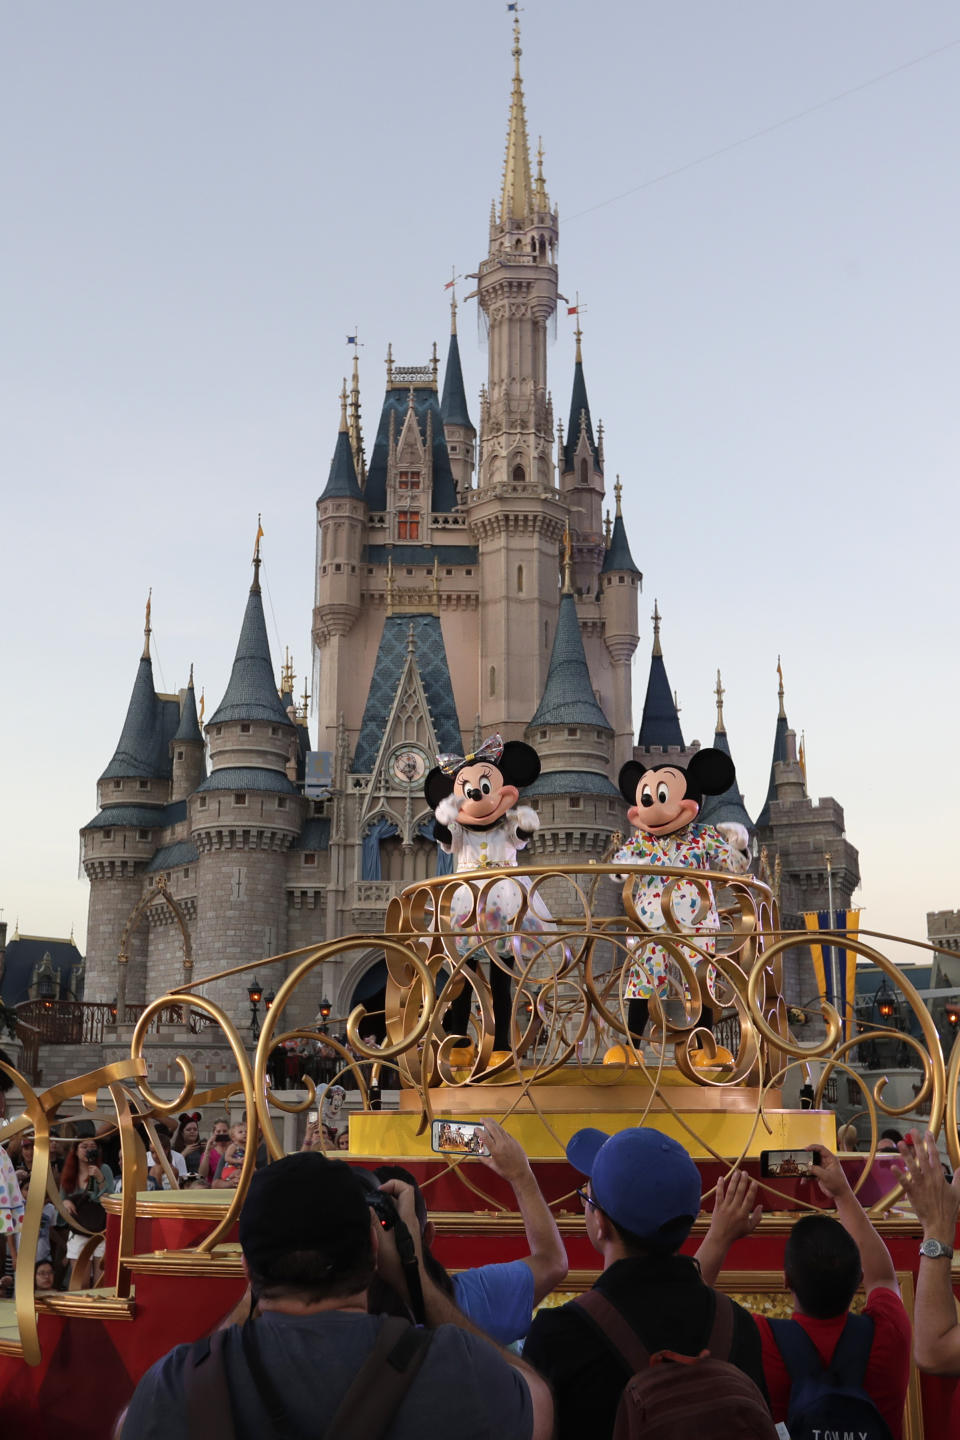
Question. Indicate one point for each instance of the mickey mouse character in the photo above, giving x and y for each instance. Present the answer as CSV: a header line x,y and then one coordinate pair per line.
x,y
478,821
664,804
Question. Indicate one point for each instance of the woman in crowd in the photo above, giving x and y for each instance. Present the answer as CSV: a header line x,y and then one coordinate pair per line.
x,y
187,1141
83,1181
214,1151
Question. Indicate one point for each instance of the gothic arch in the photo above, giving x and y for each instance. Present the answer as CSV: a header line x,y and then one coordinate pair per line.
x,y
350,978
157,890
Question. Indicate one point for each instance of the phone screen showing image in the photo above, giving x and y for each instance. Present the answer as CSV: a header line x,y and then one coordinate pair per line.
x,y
458,1137
787,1164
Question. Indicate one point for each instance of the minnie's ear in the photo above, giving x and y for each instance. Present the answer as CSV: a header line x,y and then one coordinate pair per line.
x,y
437,787
519,764
711,772
629,779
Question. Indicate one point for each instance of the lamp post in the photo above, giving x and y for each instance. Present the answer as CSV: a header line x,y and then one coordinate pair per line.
x,y
255,991
952,1012
325,1009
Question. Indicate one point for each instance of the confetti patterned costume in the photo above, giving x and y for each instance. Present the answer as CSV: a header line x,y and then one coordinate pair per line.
x,y
695,847
11,1201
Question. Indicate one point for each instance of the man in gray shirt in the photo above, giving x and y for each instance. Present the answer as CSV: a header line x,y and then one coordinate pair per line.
x,y
310,1244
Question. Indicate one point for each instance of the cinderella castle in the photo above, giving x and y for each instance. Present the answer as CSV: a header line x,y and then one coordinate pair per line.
x,y
467,580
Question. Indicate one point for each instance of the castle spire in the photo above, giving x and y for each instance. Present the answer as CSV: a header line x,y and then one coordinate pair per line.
x,y
147,627
580,422
728,807
779,751
567,561
255,584
517,197
540,196
251,692
453,401
568,697
353,425
342,483
783,713
660,726
720,692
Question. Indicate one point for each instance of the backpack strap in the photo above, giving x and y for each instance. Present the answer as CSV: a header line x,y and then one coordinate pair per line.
x,y
720,1342
800,1355
851,1355
615,1329
205,1390
371,1403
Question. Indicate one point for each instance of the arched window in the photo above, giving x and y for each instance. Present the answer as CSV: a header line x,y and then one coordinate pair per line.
x,y
519,475
519,579
493,679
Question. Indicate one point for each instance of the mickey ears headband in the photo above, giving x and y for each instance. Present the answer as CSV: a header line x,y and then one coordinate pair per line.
x,y
185,1118
491,749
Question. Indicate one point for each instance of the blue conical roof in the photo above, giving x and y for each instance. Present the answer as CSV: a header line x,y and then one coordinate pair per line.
x,y
728,808
779,756
453,401
342,483
618,556
568,694
579,408
143,748
251,693
660,726
189,727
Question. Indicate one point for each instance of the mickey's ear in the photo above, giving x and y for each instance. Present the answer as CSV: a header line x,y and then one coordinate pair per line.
x,y
519,764
437,787
711,772
629,779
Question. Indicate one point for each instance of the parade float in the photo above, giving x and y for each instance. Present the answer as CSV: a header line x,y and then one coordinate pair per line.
x,y
711,1071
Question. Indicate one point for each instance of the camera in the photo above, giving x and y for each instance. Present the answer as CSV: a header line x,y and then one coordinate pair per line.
x,y
383,1207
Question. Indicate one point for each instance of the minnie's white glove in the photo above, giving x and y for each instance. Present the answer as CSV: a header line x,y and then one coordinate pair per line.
x,y
448,809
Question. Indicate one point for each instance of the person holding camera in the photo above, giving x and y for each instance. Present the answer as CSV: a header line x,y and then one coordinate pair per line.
x,y
311,1359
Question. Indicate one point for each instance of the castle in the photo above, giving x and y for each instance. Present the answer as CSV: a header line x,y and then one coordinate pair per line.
x,y
466,582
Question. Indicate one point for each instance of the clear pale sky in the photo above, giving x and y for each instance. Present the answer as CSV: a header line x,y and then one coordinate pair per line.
x,y
202,201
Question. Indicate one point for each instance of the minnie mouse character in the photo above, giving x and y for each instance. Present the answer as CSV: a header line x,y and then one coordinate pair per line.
x,y
477,820
664,804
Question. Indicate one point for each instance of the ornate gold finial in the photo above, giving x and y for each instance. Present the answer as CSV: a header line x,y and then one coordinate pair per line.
x,y
190,681
676,703
802,756
287,675
782,713
203,701
356,433
255,587
302,713
608,529
453,313
435,362
146,626
720,692
655,617
541,200
567,560
389,363
618,492
517,197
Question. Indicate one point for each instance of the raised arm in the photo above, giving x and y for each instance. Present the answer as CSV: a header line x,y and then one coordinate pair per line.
x,y
878,1271
936,1333
735,1214
548,1255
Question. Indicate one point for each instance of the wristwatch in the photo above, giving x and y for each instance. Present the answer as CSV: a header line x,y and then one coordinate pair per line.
x,y
935,1249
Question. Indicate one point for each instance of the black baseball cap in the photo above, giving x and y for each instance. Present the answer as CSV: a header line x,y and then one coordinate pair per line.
x,y
304,1202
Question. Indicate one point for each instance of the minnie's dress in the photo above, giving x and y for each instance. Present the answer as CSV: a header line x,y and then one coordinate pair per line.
x,y
695,847
11,1201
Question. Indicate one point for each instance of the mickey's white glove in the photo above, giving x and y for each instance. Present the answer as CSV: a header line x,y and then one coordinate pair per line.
x,y
738,839
448,809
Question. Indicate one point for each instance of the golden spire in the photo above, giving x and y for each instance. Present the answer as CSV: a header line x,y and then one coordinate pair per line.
x,y
540,197
255,587
435,362
720,692
517,198
356,433
608,529
287,675
655,617
618,492
343,406
802,755
203,701
302,714
567,561
389,363
146,627
782,713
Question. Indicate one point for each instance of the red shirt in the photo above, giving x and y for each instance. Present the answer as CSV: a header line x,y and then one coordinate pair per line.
x,y
888,1369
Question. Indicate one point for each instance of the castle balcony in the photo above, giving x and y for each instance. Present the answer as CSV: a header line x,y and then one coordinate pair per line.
x,y
368,901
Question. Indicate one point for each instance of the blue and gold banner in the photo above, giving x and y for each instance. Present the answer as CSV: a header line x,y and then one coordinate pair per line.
x,y
843,970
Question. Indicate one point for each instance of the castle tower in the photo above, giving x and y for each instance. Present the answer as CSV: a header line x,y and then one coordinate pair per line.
x,y
457,425
661,738
581,484
245,816
341,533
120,841
186,748
620,586
728,808
578,803
515,513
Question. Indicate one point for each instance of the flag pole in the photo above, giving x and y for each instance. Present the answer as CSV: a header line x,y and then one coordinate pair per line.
x,y
834,956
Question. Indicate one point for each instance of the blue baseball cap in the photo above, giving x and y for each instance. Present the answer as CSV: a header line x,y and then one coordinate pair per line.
x,y
642,1179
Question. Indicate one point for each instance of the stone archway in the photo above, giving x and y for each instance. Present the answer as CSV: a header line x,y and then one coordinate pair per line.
x,y
157,891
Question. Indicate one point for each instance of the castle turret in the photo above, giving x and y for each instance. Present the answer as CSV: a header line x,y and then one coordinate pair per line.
x,y
728,808
620,586
581,484
779,754
660,733
245,815
186,747
119,842
457,425
577,801
515,513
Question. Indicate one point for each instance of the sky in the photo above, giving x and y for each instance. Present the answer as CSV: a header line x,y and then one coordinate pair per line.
x,y
759,212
